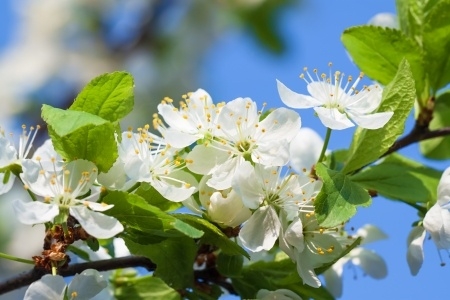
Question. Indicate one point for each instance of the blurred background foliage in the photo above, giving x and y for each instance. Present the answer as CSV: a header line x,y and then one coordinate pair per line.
x,y
58,46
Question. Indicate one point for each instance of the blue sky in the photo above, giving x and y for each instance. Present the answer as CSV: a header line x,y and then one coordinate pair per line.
x,y
236,66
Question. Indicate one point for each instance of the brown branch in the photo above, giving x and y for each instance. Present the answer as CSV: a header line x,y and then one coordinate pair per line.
x,y
100,265
418,134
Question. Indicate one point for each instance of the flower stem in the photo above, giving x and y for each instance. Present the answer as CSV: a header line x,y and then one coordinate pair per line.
x,y
325,145
135,186
14,258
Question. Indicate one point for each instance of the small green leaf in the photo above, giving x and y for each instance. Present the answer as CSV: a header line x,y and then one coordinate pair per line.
x,y
153,197
368,145
412,14
213,235
378,51
399,178
109,96
78,252
229,265
337,201
438,148
136,214
174,258
144,287
81,135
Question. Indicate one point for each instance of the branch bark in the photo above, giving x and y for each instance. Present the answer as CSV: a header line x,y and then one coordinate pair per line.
x,y
100,265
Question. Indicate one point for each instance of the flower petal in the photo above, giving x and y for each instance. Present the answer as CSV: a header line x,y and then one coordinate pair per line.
x,y
6,186
414,255
96,224
444,189
332,118
305,149
372,264
246,183
35,212
49,287
261,231
370,233
203,159
294,100
87,284
372,121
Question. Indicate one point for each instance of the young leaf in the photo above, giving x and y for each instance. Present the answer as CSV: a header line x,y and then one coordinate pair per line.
x,y
229,265
109,96
436,44
173,257
81,135
337,201
135,213
213,235
399,178
411,16
368,145
144,287
438,148
153,197
378,51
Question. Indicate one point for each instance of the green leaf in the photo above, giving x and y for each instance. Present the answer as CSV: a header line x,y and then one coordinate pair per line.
x,y
378,51
174,258
229,265
368,145
109,96
213,235
81,135
438,148
436,44
400,178
412,14
136,214
337,201
144,287
273,275
153,197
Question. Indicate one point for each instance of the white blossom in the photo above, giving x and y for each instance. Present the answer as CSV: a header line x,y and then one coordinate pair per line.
x,y
242,136
60,190
336,105
147,158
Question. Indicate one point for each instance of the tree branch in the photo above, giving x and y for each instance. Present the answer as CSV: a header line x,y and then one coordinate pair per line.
x,y
417,134
100,265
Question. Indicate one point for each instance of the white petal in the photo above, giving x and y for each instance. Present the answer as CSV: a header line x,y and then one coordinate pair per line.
x,y
172,192
295,100
304,149
223,175
247,185
78,168
228,210
437,223
306,270
370,233
280,124
414,255
372,121
49,287
96,206
87,284
115,178
333,278
444,189
294,235
366,101
332,118
261,231
372,264
35,212
204,159
272,153
178,139
236,111
96,224
6,186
